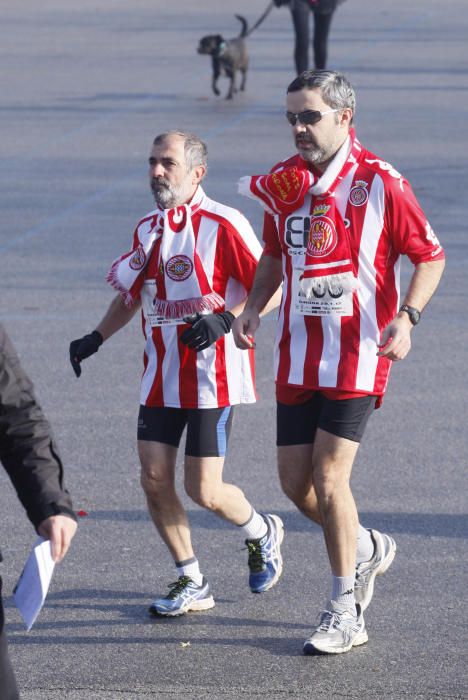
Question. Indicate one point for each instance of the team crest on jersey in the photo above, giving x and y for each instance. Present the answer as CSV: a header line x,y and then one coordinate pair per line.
x,y
138,259
179,268
359,195
321,209
322,236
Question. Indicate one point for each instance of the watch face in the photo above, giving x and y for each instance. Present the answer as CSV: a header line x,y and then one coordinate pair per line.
x,y
413,313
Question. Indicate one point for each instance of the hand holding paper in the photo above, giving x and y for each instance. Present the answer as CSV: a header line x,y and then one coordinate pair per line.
x,y
59,529
31,590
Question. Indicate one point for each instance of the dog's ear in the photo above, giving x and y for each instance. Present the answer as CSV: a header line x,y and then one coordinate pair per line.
x,y
219,39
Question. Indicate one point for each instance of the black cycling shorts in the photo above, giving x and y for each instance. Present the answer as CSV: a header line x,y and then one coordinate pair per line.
x,y
297,424
208,429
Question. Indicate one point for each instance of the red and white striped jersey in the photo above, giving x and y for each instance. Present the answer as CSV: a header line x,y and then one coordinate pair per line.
x,y
384,221
222,374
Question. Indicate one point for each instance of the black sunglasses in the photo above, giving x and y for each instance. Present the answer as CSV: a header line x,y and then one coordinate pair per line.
x,y
309,116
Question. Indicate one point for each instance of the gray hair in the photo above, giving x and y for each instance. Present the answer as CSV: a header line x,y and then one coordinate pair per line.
x,y
335,89
194,148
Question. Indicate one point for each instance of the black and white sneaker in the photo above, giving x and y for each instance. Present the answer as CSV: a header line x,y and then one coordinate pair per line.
x,y
384,553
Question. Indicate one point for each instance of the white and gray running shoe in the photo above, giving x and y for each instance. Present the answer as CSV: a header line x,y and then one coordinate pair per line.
x,y
384,553
336,632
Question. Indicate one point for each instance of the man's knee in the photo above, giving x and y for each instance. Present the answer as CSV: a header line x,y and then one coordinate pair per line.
x,y
155,484
296,484
290,486
157,468
203,494
332,463
330,478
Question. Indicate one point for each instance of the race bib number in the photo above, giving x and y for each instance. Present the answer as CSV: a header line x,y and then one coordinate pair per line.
x,y
148,294
324,301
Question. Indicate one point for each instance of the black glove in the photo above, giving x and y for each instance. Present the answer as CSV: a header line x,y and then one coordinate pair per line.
x,y
206,329
84,347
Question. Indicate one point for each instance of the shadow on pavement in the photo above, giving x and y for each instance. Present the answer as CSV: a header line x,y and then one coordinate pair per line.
x,y
426,524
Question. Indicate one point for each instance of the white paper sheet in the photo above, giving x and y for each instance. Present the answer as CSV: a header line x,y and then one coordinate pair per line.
x,y
31,590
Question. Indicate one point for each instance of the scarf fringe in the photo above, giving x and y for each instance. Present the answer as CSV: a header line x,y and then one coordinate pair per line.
x,y
113,279
339,284
185,307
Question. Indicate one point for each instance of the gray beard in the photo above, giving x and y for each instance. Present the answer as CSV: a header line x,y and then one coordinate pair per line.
x,y
164,194
316,156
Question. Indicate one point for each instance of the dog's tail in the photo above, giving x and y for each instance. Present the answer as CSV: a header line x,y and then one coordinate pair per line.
x,y
245,26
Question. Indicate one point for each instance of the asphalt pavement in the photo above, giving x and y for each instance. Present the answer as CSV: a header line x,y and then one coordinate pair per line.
x,y
84,89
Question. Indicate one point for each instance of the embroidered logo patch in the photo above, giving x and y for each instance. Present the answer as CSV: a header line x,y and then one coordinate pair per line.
x,y
179,268
138,259
359,195
322,236
287,185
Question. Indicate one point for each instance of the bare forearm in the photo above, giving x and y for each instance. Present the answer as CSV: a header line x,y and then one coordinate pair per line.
x,y
273,303
395,342
116,317
265,294
424,282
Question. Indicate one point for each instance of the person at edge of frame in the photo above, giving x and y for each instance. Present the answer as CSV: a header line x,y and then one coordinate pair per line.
x,y
322,11
30,457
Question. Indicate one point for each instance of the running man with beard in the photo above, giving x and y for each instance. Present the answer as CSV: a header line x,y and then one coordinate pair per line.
x,y
191,265
338,219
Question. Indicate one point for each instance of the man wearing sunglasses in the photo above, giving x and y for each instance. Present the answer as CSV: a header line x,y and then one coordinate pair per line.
x,y
337,220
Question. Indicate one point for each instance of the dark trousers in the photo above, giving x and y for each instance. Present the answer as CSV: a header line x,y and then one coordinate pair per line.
x,y
8,687
300,11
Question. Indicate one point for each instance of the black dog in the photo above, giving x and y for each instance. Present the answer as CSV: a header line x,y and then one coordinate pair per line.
x,y
227,56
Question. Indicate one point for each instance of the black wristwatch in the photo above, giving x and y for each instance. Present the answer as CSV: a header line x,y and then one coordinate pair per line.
x,y
413,313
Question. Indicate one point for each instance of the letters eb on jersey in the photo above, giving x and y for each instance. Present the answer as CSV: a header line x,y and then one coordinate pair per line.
x,y
384,221
221,375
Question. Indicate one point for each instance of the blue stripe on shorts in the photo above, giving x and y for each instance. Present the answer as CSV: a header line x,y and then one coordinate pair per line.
x,y
221,431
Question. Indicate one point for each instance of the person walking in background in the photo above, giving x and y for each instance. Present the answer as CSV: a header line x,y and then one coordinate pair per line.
x,y
338,220
322,11
192,263
29,455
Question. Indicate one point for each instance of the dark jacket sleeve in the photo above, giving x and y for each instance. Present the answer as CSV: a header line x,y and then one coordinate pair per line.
x,y
27,448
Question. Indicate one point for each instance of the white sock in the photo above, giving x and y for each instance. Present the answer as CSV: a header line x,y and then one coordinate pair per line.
x,y
255,528
190,568
343,593
365,545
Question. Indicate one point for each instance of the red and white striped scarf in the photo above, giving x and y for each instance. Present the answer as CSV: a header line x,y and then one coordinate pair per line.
x,y
182,287
328,254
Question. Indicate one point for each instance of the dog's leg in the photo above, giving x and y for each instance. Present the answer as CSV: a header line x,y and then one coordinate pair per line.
x,y
244,78
216,73
232,85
